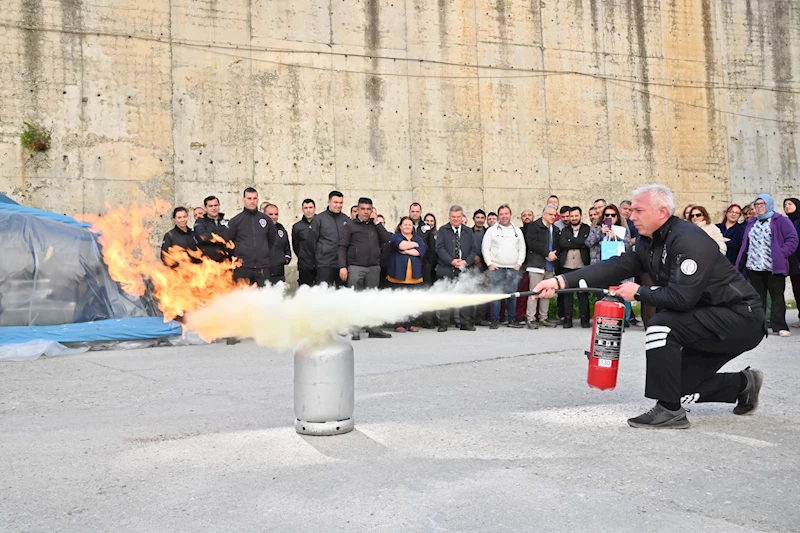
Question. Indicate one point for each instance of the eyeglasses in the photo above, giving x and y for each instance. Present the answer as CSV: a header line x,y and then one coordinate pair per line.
x,y
610,215
734,212
760,204
696,215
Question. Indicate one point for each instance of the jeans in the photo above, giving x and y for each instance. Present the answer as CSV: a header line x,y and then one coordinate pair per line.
x,y
503,281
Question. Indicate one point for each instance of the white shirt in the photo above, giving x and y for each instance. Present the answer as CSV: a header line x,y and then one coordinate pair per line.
x,y
503,246
457,231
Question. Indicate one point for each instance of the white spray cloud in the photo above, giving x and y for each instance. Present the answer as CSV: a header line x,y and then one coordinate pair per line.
x,y
314,315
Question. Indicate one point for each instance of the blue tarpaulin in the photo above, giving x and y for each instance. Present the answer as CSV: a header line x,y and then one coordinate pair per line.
x,y
55,286
101,330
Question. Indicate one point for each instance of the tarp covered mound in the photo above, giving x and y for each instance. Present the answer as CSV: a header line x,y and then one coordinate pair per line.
x,y
55,286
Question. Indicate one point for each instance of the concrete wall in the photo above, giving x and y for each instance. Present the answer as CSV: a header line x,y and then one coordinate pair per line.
x,y
471,101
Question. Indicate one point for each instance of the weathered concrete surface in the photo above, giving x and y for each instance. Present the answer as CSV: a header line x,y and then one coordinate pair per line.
x,y
472,432
470,101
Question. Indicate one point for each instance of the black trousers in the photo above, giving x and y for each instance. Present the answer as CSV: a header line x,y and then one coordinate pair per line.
x,y
328,275
796,288
465,314
775,284
306,276
256,276
686,350
583,300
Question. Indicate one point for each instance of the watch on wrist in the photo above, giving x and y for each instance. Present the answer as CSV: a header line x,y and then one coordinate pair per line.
x,y
637,296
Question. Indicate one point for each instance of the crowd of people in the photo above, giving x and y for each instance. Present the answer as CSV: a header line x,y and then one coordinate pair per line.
x,y
362,251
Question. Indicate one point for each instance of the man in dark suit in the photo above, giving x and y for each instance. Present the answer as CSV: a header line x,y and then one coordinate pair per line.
x,y
455,249
541,240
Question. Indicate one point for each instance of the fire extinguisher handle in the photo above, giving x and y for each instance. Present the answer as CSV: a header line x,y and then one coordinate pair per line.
x,y
565,291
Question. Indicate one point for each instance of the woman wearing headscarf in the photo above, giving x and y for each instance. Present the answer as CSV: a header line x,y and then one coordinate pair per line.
x,y
769,241
732,231
700,218
791,206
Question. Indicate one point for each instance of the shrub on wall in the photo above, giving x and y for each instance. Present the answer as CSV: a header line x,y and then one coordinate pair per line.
x,y
35,138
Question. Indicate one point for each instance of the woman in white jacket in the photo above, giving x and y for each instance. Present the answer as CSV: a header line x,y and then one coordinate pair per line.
x,y
503,252
699,216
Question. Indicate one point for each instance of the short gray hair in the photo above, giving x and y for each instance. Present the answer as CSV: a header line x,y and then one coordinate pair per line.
x,y
549,206
661,194
456,208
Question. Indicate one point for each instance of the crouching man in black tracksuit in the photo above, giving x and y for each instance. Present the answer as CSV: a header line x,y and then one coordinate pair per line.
x,y
253,235
707,312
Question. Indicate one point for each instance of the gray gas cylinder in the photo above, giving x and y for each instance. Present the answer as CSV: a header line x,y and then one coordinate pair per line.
x,y
324,393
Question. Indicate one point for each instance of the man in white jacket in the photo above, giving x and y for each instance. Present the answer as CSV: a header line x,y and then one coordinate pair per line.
x,y
503,252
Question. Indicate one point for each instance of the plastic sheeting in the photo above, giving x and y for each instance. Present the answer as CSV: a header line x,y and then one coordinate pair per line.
x,y
31,350
100,330
52,272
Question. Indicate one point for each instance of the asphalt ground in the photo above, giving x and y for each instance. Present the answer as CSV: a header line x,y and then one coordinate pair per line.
x,y
458,431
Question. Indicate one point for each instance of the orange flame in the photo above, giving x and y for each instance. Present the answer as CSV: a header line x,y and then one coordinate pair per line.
x,y
189,282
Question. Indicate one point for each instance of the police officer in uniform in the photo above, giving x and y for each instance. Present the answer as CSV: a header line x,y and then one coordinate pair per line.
x,y
253,235
707,312
208,231
180,236
281,251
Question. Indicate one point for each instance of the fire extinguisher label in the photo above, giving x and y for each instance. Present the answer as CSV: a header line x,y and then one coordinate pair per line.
x,y
605,363
607,338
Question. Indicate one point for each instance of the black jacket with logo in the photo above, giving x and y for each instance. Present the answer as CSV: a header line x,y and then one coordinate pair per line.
x,y
304,244
281,251
425,233
326,227
177,237
567,241
204,229
253,235
360,243
687,270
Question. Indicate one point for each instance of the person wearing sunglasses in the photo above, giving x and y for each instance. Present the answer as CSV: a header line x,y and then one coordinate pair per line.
x,y
732,231
699,217
602,232
769,241
707,313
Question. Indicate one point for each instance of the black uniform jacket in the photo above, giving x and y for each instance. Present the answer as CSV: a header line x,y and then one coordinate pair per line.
x,y
687,270
424,232
568,241
204,229
178,237
326,227
281,251
304,244
253,234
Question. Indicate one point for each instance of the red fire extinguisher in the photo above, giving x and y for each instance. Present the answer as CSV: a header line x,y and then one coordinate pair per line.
x,y
609,318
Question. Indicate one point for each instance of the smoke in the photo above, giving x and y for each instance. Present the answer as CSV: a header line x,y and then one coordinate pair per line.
x,y
314,315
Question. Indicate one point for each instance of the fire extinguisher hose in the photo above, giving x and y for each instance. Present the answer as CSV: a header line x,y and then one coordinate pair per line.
x,y
566,291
